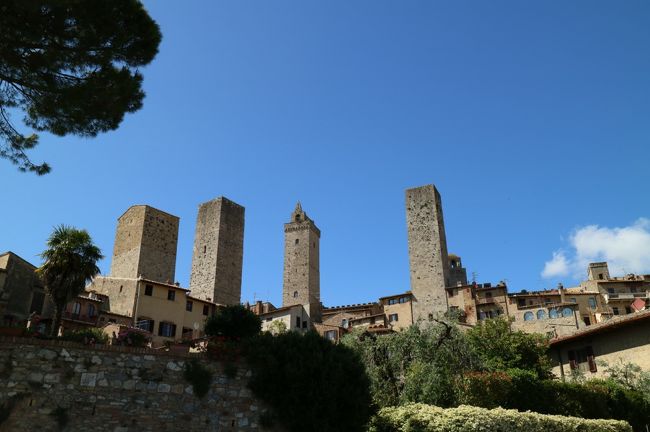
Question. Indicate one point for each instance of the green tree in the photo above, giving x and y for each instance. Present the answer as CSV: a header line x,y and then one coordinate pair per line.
x,y
70,262
235,322
502,348
71,67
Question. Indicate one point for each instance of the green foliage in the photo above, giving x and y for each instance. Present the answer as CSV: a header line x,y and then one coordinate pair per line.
x,y
70,262
72,69
309,383
501,348
86,336
199,376
277,327
414,365
233,322
427,418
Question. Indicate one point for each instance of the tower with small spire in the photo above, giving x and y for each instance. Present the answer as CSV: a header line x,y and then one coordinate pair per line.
x,y
301,284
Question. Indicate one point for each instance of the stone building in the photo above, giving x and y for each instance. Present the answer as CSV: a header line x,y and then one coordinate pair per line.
x,y
21,291
301,281
145,244
427,247
218,252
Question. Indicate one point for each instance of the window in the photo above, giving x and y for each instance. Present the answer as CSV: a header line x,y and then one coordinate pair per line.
x,y
344,323
567,312
304,324
430,317
521,302
76,308
482,315
392,301
206,309
600,276
145,324
615,310
628,310
91,310
611,290
295,294
583,359
553,313
148,290
297,322
121,286
167,329
392,318
586,320
171,295
528,316
188,306
592,302
297,241
205,249
330,335
573,300
541,314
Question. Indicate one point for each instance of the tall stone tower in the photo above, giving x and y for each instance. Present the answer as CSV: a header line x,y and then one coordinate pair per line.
x,y
301,262
428,258
218,252
145,245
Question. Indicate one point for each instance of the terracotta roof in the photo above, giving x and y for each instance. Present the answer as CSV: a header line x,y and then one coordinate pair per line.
x,y
282,309
608,325
407,293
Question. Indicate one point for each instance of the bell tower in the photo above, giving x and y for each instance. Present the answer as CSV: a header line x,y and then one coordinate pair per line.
x,y
301,284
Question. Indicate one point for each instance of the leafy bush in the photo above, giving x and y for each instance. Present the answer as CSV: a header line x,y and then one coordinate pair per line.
x,y
86,336
199,376
427,418
309,383
133,337
235,322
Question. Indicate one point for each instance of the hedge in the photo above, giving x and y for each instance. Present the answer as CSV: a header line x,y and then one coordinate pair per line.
x,y
428,418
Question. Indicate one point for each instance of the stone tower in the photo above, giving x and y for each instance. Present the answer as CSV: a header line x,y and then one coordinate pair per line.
x,y
427,244
218,252
145,245
301,262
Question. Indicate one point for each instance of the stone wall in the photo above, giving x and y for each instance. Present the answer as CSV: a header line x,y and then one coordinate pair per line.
x,y
218,252
116,389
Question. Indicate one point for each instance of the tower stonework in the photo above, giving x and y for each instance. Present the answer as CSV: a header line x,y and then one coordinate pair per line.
x,y
427,245
218,252
301,284
145,245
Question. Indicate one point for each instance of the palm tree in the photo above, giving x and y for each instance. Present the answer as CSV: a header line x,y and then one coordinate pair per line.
x,y
70,262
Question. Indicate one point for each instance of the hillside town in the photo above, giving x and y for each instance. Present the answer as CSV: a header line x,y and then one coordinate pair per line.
x,y
605,317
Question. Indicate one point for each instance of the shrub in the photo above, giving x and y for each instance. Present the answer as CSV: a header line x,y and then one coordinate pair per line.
x,y
309,383
234,322
134,337
199,376
428,418
86,336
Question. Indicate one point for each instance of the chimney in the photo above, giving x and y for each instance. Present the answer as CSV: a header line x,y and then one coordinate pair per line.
x,y
560,288
258,307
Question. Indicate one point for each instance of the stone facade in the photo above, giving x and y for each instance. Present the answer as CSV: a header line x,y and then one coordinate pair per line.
x,y
427,245
145,245
21,291
218,252
301,263
116,389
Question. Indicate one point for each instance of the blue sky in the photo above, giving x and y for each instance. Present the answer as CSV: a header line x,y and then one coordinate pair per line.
x,y
531,118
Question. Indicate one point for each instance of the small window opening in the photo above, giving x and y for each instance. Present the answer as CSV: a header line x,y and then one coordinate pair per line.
x,y
297,241
205,248
295,294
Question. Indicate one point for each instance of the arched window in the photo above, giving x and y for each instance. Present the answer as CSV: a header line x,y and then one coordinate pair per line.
x,y
567,312
553,314
528,316
295,294
541,314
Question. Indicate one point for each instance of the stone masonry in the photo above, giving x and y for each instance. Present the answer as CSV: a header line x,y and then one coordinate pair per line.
x,y
218,252
116,389
301,284
145,245
427,245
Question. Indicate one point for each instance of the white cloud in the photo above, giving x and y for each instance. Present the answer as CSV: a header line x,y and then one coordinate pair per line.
x,y
557,266
626,249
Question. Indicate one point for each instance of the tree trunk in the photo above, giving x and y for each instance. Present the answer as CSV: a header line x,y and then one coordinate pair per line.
x,y
56,321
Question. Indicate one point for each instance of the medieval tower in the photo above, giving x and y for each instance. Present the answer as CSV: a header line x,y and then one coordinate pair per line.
x,y
301,283
145,245
427,245
218,252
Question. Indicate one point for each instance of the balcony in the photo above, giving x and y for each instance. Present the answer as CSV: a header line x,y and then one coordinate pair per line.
x,y
625,296
484,301
78,317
